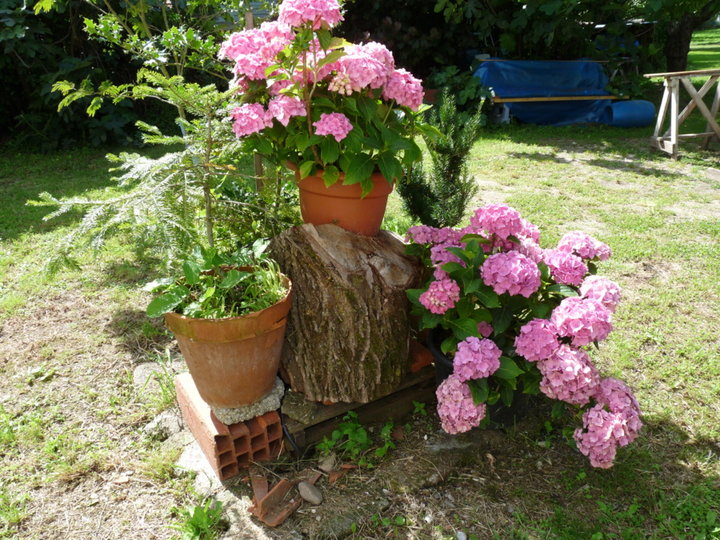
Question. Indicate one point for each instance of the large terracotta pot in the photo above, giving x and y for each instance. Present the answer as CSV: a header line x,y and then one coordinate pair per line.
x,y
233,361
343,205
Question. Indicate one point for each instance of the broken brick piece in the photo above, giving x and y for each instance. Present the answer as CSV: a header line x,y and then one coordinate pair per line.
x,y
228,448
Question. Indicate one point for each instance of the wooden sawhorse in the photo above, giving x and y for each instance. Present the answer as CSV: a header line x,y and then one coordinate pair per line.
x,y
669,140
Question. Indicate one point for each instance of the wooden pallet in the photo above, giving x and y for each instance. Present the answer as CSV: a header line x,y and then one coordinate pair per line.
x,y
308,422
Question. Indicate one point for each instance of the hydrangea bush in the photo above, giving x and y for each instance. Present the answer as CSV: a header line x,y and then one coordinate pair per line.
x,y
321,103
518,317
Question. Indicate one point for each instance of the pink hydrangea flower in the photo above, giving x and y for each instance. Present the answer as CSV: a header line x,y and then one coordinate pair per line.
x,y
335,124
602,290
250,118
537,340
404,88
569,375
565,267
456,408
361,67
476,359
500,220
582,320
320,13
597,438
614,421
485,329
619,399
254,50
511,272
422,234
530,230
530,248
440,296
282,108
584,245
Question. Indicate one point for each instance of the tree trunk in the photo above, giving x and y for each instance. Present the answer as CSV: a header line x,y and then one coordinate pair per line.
x,y
348,331
677,44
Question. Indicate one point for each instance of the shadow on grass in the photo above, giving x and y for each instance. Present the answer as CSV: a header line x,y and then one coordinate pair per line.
x,y
139,335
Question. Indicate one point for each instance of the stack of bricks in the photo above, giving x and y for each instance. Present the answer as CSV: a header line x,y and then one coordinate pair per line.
x,y
228,448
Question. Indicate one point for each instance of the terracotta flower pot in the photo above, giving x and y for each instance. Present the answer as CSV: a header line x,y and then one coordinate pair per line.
x,y
343,205
233,361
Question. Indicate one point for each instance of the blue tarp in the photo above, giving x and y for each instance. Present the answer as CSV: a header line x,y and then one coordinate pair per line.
x,y
548,78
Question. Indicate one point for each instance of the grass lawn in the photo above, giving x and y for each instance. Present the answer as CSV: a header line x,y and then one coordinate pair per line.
x,y
705,50
76,463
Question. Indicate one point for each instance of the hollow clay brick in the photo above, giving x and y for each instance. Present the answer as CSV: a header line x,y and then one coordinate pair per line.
x,y
231,448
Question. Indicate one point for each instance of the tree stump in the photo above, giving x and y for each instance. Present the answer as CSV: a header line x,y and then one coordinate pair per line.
x,y
348,331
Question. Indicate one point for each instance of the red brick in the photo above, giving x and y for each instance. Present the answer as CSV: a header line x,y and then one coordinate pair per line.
x,y
231,448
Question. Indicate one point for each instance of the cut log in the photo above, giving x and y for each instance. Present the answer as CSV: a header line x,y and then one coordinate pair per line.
x,y
348,331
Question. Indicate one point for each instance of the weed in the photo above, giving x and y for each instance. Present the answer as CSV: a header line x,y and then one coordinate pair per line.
x,y
352,440
419,408
12,510
160,464
7,431
201,522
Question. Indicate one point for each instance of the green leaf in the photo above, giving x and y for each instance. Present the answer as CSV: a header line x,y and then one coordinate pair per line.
x,y
330,175
306,168
480,390
563,290
390,167
360,168
463,328
191,270
506,394
334,56
488,298
449,344
329,151
414,295
167,302
544,271
471,286
324,37
452,267
232,278
429,320
508,369
502,319
263,146
43,5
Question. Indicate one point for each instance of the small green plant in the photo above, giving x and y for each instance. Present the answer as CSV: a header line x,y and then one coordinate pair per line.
x,y
215,286
352,440
12,510
201,522
7,430
439,198
419,408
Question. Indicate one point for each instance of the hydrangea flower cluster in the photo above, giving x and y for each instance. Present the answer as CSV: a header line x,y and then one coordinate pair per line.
x,y
613,422
319,13
335,124
537,340
585,246
565,267
441,296
544,307
583,320
456,408
476,359
569,375
602,290
512,273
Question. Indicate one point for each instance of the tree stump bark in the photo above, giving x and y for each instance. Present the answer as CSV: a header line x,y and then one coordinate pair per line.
x,y
348,331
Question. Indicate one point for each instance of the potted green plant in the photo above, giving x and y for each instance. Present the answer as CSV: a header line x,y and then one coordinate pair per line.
x,y
515,319
228,314
340,114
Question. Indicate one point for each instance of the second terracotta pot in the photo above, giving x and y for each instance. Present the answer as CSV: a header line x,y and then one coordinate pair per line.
x,y
233,361
343,205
